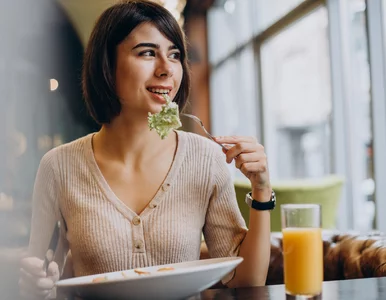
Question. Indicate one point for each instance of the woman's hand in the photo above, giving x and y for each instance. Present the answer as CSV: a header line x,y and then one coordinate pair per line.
x,y
34,283
250,158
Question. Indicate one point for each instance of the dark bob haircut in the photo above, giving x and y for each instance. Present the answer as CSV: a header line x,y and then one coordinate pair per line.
x,y
112,27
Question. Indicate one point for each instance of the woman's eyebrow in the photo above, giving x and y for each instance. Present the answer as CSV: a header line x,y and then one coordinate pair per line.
x,y
152,45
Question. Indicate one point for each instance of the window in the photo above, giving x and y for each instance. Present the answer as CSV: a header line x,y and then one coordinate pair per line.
x,y
268,12
361,137
233,105
233,94
228,27
317,78
297,98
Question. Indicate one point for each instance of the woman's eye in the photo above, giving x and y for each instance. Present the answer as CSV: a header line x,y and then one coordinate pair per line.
x,y
147,53
176,55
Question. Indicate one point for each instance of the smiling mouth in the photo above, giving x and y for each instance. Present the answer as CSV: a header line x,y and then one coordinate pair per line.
x,y
159,91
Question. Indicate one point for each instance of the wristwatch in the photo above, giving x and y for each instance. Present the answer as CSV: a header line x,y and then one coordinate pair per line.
x,y
261,205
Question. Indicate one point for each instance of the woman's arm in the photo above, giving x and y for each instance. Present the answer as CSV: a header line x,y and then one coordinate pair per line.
x,y
250,158
34,281
46,210
255,248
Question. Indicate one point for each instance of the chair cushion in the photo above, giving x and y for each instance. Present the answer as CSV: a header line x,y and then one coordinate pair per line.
x,y
347,255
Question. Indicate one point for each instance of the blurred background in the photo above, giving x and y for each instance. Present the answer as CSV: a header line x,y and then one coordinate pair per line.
x,y
306,77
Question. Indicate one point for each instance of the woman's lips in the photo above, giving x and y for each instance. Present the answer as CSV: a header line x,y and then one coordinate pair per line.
x,y
158,97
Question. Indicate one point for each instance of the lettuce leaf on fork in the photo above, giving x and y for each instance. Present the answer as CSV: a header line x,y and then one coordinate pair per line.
x,y
166,120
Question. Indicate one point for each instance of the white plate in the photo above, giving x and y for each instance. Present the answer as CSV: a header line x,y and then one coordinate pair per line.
x,y
186,279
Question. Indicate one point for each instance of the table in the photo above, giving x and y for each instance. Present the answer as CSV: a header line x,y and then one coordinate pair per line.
x,y
356,289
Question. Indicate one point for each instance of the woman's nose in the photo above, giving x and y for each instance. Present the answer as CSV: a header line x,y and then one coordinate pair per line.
x,y
164,69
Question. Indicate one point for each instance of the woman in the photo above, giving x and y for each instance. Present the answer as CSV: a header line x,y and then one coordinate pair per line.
x,y
128,198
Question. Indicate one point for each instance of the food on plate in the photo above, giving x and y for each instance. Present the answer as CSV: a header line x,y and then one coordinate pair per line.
x,y
166,120
100,279
140,272
165,269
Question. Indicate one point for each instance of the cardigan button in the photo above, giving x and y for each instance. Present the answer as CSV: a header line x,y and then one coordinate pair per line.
x,y
138,244
136,220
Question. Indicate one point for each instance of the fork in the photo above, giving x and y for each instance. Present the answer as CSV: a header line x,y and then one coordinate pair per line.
x,y
52,246
199,122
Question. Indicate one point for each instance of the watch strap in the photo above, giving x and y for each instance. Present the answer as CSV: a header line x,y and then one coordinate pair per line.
x,y
269,205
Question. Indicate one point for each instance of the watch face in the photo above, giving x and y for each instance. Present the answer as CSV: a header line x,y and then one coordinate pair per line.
x,y
273,197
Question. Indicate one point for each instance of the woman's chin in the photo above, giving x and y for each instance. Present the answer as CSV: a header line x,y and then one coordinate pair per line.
x,y
155,109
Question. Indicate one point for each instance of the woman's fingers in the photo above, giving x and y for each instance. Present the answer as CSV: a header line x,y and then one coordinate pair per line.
x,y
34,283
235,151
243,148
53,271
33,266
235,139
253,167
248,157
28,289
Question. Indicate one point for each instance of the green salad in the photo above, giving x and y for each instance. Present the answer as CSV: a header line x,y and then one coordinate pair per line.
x,y
166,120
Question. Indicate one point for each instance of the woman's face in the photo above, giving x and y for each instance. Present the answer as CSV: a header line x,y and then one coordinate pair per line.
x,y
148,65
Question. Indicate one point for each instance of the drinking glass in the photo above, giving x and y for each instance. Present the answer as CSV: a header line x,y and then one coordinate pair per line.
x,y
302,250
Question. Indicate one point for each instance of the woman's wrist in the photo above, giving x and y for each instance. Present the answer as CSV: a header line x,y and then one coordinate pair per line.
x,y
262,195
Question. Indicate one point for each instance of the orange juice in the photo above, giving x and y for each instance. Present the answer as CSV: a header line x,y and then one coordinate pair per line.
x,y
303,260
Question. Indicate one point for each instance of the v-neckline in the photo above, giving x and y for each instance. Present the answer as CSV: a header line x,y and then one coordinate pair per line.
x,y
159,195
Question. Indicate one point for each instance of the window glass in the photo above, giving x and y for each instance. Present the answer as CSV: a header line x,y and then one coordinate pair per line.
x,y
297,98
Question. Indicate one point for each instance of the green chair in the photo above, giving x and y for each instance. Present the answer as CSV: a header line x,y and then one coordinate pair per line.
x,y
325,191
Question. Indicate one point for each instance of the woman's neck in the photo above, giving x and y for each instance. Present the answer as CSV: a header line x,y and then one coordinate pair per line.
x,y
130,142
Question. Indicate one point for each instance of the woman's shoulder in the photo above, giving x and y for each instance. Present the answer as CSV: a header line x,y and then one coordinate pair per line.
x,y
199,144
65,151
204,150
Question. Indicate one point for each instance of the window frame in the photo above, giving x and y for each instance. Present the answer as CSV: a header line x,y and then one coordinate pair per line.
x,y
377,47
343,153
